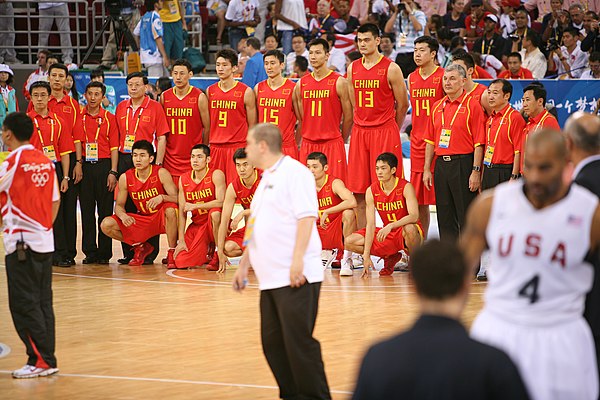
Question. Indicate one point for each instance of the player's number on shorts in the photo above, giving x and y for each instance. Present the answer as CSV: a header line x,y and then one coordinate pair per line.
x,y
530,289
422,106
181,127
365,99
222,119
316,108
270,116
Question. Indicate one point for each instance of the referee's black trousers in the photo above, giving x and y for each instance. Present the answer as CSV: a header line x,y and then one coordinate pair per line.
x,y
70,211
495,175
288,317
94,194
452,193
30,303
126,163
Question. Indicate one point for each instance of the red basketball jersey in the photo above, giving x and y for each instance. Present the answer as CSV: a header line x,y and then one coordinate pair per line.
x,y
275,106
478,91
327,198
196,193
245,194
228,117
140,192
184,120
322,107
423,95
374,99
390,207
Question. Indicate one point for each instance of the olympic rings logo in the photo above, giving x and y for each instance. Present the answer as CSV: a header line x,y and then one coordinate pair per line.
x,y
40,179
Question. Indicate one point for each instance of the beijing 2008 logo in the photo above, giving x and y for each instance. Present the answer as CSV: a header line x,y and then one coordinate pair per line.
x,y
40,178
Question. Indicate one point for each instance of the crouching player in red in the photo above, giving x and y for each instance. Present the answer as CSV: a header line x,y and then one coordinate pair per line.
x,y
395,200
154,194
201,192
337,217
239,190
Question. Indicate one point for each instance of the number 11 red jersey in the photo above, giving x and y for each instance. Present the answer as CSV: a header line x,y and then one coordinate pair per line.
x,y
322,108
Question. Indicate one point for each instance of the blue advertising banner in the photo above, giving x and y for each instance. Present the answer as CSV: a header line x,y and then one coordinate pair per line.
x,y
567,96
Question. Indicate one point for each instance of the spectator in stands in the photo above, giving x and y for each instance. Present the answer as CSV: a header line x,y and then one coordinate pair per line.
x,y
489,65
515,69
52,59
444,38
550,20
171,15
346,23
407,22
8,54
162,84
593,72
271,42
576,12
218,8
299,49
387,46
109,102
255,67
517,36
455,19
352,56
555,31
150,31
40,74
9,96
507,18
300,67
241,18
568,60
457,42
59,12
474,22
291,17
194,25
542,6
592,40
131,16
337,58
533,58
71,88
434,24
433,7
491,42
323,22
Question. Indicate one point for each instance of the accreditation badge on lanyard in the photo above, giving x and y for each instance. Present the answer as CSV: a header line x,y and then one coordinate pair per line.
x,y
489,154
130,138
50,152
91,147
444,142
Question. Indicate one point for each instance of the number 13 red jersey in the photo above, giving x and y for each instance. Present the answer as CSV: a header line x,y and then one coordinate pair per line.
x,y
373,96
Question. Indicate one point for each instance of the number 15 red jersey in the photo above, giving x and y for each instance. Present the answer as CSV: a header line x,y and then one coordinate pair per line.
x,y
275,106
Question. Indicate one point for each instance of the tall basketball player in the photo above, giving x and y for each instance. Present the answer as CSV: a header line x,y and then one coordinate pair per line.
x,y
323,101
186,108
380,102
232,110
540,234
275,103
425,88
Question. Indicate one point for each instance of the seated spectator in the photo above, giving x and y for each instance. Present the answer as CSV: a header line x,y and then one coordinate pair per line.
x,y
40,74
593,72
337,58
516,36
270,21
434,7
408,23
299,49
218,8
491,42
456,43
475,21
109,102
163,84
478,71
591,42
576,12
507,18
533,58
291,17
271,42
346,23
300,67
387,46
9,96
152,49
455,19
434,24
323,22
241,18
488,66
351,57
445,39
194,25
555,31
550,20
433,346
568,60
255,67
515,69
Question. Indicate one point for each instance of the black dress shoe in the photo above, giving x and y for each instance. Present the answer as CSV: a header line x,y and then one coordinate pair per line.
x,y
102,261
89,260
64,263
71,261
124,260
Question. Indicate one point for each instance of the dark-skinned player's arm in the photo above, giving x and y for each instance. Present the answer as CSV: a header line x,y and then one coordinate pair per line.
x,y
396,81
412,206
341,87
348,201
250,103
204,116
472,240
369,233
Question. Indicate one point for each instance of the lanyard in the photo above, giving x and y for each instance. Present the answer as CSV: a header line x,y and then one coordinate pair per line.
x,y
98,120
539,124
137,122
499,127
489,46
455,113
39,131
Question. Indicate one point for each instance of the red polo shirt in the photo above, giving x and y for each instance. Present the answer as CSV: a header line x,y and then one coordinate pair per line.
x,y
542,120
102,129
147,122
523,73
503,133
463,119
48,131
67,109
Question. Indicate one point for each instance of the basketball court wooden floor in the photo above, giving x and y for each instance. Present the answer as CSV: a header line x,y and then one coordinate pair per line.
x,y
148,333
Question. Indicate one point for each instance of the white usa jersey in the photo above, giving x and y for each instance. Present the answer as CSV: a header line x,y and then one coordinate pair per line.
x,y
538,274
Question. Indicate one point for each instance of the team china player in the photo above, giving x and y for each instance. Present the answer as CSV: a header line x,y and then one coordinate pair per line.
x,y
201,193
337,217
154,194
230,238
394,199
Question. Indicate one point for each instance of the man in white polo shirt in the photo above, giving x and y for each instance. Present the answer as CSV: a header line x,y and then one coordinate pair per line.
x,y
284,249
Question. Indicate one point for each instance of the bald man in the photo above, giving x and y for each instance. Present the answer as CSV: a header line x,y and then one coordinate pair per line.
x,y
583,142
539,232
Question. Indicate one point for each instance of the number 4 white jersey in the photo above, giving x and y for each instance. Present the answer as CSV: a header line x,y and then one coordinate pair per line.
x,y
538,274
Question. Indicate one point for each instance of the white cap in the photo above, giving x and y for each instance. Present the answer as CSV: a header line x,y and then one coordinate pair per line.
x,y
492,17
6,68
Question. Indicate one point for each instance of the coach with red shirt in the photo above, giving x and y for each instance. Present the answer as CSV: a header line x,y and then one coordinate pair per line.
x,y
29,200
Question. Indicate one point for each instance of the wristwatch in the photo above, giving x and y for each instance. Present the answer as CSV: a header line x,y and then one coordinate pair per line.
x,y
159,164
476,168
67,178
80,161
515,176
113,172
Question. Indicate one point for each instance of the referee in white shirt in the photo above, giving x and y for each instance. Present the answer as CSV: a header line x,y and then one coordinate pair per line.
x,y
284,249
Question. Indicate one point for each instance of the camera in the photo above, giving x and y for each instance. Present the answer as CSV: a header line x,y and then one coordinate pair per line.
x,y
514,38
113,7
552,44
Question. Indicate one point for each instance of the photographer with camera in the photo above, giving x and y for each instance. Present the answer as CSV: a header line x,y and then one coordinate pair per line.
x,y
568,60
533,58
517,36
591,42
407,22
129,18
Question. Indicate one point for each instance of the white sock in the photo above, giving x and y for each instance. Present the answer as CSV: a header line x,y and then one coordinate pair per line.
x,y
347,254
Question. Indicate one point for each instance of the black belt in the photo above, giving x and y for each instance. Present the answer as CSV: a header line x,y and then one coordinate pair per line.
x,y
455,157
500,166
96,162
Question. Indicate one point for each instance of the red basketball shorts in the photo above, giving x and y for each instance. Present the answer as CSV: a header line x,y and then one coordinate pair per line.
x,y
333,149
332,235
366,144
424,197
290,149
392,244
198,237
221,157
237,237
145,226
